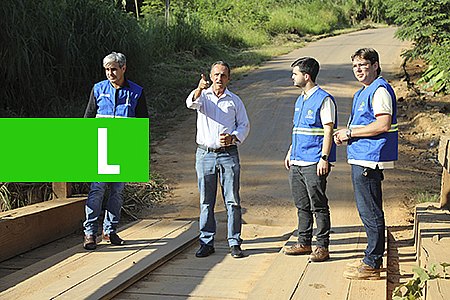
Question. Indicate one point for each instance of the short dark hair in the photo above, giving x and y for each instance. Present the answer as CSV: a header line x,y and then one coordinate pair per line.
x,y
369,54
307,65
221,63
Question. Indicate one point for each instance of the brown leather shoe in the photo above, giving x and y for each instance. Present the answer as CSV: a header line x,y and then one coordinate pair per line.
x,y
319,254
362,272
297,249
90,242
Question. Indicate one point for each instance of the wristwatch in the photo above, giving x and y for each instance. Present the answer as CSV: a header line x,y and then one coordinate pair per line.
x,y
348,133
324,157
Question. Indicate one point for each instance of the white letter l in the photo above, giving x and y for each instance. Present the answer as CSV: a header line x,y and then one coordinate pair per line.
x,y
103,167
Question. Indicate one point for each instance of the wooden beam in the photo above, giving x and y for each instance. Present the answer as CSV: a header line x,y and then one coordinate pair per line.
x,y
62,189
26,228
445,190
444,159
102,273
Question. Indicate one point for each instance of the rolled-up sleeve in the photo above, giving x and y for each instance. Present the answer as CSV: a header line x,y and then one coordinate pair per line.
x,y
190,103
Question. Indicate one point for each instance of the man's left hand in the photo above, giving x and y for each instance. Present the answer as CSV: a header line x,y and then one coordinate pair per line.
x,y
322,167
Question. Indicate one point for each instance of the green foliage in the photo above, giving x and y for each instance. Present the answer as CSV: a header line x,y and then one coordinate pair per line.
x,y
413,289
425,196
308,18
426,23
52,49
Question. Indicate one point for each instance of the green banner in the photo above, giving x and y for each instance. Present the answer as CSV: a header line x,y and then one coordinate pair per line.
x,y
74,150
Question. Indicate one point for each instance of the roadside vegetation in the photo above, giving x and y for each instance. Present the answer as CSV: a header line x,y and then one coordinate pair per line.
x,y
52,49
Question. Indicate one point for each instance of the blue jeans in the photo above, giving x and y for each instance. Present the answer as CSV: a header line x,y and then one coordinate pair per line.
x,y
225,168
93,207
308,191
368,195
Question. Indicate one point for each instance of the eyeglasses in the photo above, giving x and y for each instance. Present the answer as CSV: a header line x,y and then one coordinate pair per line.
x,y
362,66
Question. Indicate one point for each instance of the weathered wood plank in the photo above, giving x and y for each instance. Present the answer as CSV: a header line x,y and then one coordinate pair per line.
x,y
127,271
137,296
433,245
62,189
369,289
224,288
325,280
282,277
62,257
29,227
438,289
444,159
445,190
218,276
83,267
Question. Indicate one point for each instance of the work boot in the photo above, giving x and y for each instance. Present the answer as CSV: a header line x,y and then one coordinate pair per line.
x,y
319,254
90,242
354,264
362,272
297,249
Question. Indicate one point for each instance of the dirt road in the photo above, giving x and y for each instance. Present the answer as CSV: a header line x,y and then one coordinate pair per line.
x,y
269,96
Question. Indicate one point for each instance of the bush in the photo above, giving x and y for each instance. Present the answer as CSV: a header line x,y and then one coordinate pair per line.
x,y
426,23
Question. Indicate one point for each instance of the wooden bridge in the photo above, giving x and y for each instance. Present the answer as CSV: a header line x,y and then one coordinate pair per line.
x,y
158,262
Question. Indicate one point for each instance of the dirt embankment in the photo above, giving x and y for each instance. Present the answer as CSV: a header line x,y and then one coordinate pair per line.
x,y
423,118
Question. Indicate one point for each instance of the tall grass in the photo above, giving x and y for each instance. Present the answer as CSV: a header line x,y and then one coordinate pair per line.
x,y
306,18
52,49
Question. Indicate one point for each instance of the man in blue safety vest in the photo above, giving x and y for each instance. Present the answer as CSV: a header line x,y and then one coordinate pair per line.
x,y
115,97
372,146
308,160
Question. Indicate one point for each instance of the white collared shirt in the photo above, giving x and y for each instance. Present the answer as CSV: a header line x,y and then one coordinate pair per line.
x,y
216,115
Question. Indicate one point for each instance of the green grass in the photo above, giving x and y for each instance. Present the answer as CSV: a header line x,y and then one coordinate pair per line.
x,y
425,196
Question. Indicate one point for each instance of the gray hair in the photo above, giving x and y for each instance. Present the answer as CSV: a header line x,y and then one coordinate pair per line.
x,y
115,57
221,63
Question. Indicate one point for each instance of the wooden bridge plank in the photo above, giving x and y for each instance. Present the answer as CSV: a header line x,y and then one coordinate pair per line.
x,y
82,267
281,279
218,276
325,280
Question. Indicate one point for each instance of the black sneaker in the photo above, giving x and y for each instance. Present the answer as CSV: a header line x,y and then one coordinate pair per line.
x,y
113,238
236,251
205,251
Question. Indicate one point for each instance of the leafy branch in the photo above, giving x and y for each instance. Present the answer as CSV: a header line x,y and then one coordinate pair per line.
x,y
413,289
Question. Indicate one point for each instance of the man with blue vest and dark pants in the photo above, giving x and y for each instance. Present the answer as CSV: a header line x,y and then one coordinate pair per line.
x,y
116,97
308,160
372,146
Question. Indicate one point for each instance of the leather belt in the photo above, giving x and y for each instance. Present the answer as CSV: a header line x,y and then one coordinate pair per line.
x,y
217,150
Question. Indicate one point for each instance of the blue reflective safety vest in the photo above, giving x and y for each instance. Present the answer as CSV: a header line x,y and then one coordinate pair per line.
x,y
380,148
308,132
127,99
